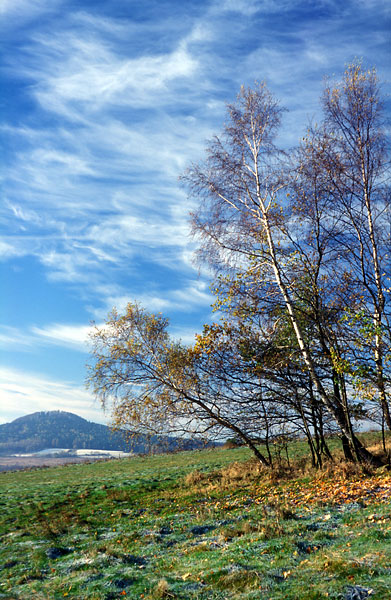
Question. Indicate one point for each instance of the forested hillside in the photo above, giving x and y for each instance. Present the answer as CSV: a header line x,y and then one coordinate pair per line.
x,y
58,429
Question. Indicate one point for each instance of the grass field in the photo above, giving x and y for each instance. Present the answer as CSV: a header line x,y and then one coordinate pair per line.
x,y
198,525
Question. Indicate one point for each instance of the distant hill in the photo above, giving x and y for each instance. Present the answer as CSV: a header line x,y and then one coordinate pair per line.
x,y
58,429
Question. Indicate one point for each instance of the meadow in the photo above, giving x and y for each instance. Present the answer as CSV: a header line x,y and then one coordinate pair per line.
x,y
207,524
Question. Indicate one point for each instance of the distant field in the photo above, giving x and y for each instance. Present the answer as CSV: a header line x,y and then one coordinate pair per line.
x,y
198,525
13,463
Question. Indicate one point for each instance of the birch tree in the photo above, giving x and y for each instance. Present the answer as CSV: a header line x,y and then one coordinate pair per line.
x,y
357,165
242,185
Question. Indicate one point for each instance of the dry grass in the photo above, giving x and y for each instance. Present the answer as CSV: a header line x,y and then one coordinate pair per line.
x,y
376,448
162,590
247,474
240,473
195,478
344,470
237,474
239,581
229,533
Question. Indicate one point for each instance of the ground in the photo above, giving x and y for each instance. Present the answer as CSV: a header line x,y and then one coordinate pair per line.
x,y
197,525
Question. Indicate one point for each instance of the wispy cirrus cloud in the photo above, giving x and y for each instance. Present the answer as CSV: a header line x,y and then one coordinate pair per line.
x,y
11,250
96,177
96,73
58,334
73,336
23,393
192,294
245,7
14,337
104,108
23,10
132,121
73,263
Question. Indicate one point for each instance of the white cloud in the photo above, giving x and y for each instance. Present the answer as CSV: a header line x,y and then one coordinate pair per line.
x,y
196,292
25,214
69,163
32,338
74,336
105,25
24,9
23,393
245,7
12,337
185,334
9,250
63,177
193,294
93,75
149,230
66,266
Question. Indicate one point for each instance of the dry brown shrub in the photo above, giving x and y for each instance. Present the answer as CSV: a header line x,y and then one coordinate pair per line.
x,y
282,472
195,478
243,473
344,469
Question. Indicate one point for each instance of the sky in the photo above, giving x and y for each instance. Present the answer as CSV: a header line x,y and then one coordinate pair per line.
x,y
104,103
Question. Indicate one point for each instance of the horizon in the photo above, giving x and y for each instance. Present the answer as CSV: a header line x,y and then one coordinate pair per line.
x,y
104,106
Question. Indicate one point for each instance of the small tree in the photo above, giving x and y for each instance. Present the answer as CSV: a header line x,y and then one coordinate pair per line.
x,y
153,385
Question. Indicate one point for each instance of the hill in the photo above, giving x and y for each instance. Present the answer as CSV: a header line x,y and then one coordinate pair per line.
x,y
59,429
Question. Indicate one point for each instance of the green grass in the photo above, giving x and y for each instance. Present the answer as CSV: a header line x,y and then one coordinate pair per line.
x,y
189,525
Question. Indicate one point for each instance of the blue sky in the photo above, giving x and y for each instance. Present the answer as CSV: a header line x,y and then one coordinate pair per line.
x,y
103,104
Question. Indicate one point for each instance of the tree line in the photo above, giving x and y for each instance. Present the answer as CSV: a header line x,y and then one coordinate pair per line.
x,y
298,243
